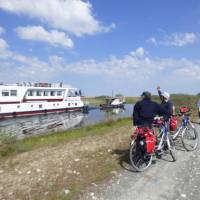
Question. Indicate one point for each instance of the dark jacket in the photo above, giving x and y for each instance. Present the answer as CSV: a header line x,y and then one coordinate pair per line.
x,y
144,112
168,106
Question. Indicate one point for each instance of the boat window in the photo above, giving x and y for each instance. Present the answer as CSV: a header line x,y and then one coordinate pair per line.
x,y
13,93
75,104
18,106
38,93
30,93
5,93
52,93
59,93
72,93
46,93
31,106
40,106
69,104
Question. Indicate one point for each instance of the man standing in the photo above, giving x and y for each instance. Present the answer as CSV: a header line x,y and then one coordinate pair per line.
x,y
198,105
145,111
166,104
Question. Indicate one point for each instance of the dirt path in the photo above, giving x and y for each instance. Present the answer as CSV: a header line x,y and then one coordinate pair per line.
x,y
163,181
60,172
65,170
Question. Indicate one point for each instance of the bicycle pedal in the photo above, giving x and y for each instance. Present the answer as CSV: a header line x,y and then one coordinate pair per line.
x,y
159,156
153,162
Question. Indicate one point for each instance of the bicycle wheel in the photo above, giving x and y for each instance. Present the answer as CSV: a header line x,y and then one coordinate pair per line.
x,y
172,150
190,138
139,159
169,149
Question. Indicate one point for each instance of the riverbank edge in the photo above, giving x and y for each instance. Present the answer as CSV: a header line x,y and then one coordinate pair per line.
x,y
64,165
12,147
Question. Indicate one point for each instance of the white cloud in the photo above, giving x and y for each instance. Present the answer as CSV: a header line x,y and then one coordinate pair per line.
x,y
135,71
38,33
139,52
3,44
2,30
152,40
24,68
74,16
175,39
180,39
134,66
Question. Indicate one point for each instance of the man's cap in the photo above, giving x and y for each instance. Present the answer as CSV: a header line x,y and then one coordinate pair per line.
x,y
146,94
166,95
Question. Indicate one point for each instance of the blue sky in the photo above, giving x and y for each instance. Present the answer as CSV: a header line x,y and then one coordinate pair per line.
x,y
100,46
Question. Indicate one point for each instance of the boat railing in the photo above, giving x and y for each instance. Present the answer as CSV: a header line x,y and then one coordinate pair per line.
x,y
30,84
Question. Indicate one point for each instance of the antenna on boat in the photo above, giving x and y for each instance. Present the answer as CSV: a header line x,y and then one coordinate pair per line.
x,y
80,93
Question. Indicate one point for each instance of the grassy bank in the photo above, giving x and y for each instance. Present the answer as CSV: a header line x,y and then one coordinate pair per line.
x,y
63,165
11,147
177,99
94,100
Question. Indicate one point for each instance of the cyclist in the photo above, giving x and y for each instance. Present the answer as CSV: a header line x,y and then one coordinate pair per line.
x,y
166,104
145,110
198,105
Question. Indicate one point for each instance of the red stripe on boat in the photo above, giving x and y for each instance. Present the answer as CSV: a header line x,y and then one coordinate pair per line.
x,y
37,112
10,102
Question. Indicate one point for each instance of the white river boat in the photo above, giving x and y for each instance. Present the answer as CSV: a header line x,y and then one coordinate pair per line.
x,y
27,99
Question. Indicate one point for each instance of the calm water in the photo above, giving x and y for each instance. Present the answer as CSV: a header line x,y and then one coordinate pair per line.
x,y
43,124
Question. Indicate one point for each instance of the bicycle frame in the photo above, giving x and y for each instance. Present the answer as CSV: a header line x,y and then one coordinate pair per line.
x,y
183,126
164,133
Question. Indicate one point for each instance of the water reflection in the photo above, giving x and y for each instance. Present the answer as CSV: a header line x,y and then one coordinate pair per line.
x,y
27,126
115,111
24,127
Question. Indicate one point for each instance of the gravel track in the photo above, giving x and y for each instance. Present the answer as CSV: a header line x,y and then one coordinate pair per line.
x,y
165,180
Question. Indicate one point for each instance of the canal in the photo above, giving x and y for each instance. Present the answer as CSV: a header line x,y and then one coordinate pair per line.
x,y
22,127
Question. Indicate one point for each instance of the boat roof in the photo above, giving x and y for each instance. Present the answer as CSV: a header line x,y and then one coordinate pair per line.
x,y
39,85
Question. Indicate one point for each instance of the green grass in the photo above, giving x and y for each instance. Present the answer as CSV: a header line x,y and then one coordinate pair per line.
x,y
132,100
177,99
54,139
94,100
183,100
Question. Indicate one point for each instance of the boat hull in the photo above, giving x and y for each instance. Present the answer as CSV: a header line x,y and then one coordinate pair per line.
x,y
108,106
40,112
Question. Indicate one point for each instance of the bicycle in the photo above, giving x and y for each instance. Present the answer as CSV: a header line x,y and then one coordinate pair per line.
x,y
139,157
187,131
165,143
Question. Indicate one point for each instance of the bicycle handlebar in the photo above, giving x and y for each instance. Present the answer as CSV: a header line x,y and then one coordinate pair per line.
x,y
182,114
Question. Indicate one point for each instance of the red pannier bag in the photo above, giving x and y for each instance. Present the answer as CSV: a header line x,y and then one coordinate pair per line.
x,y
184,109
150,138
173,124
138,131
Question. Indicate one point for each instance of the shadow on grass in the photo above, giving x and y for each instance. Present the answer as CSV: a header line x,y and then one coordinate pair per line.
x,y
123,158
179,145
196,122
